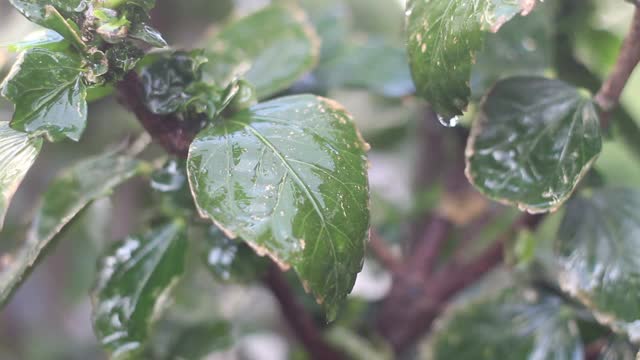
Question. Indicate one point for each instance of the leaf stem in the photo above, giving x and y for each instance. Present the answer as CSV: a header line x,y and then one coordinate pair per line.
x,y
609,94
381,251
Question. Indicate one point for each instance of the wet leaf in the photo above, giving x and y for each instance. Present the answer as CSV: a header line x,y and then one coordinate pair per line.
x,y
522,47
148,34
289,177
443,39
42,38
69,194
196,341
514,324
18,152
533,141
271,49
376,66
231,260
597,252
49,94
134,282
35,10
165,81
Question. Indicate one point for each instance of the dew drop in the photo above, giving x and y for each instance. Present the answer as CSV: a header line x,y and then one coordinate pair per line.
x,y
449,122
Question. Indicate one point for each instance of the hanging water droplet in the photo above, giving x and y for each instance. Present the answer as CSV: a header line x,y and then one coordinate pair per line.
x,y
449,121
170,178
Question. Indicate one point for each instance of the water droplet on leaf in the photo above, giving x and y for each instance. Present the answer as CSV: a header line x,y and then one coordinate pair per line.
x,y
449,121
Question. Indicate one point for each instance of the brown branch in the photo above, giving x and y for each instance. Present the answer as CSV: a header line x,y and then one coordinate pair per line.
x,y
298,318
425,255
402,328
382,253
609,94
173,134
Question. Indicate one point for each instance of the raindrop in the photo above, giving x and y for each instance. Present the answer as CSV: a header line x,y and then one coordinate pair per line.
x,y
170,178
449,121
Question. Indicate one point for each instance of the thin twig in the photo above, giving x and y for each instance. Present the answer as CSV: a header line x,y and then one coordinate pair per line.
x,y
609,94
382,253
301,323
425,255
417,317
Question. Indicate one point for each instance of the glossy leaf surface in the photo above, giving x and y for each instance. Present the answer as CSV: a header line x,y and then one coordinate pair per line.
x,y
271,49
598,254
18,152
49,94
515,324
133,285
289,177
35,10
532,142
69,194
443,38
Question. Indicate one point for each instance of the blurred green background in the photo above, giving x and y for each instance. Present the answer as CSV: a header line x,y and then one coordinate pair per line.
x,y
49,318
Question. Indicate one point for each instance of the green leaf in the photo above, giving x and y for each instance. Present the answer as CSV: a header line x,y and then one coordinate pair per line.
x,y
35,10
596,250
289,177
514,324
532,142
148,34
48,91
44,38
69,194
18,152
231,260
271,49
375,65
522,47
443,39
167,82
197,341
134,282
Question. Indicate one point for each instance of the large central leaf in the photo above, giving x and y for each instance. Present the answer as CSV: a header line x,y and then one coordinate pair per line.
x,y
444,36
598,253
18,152
290,178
